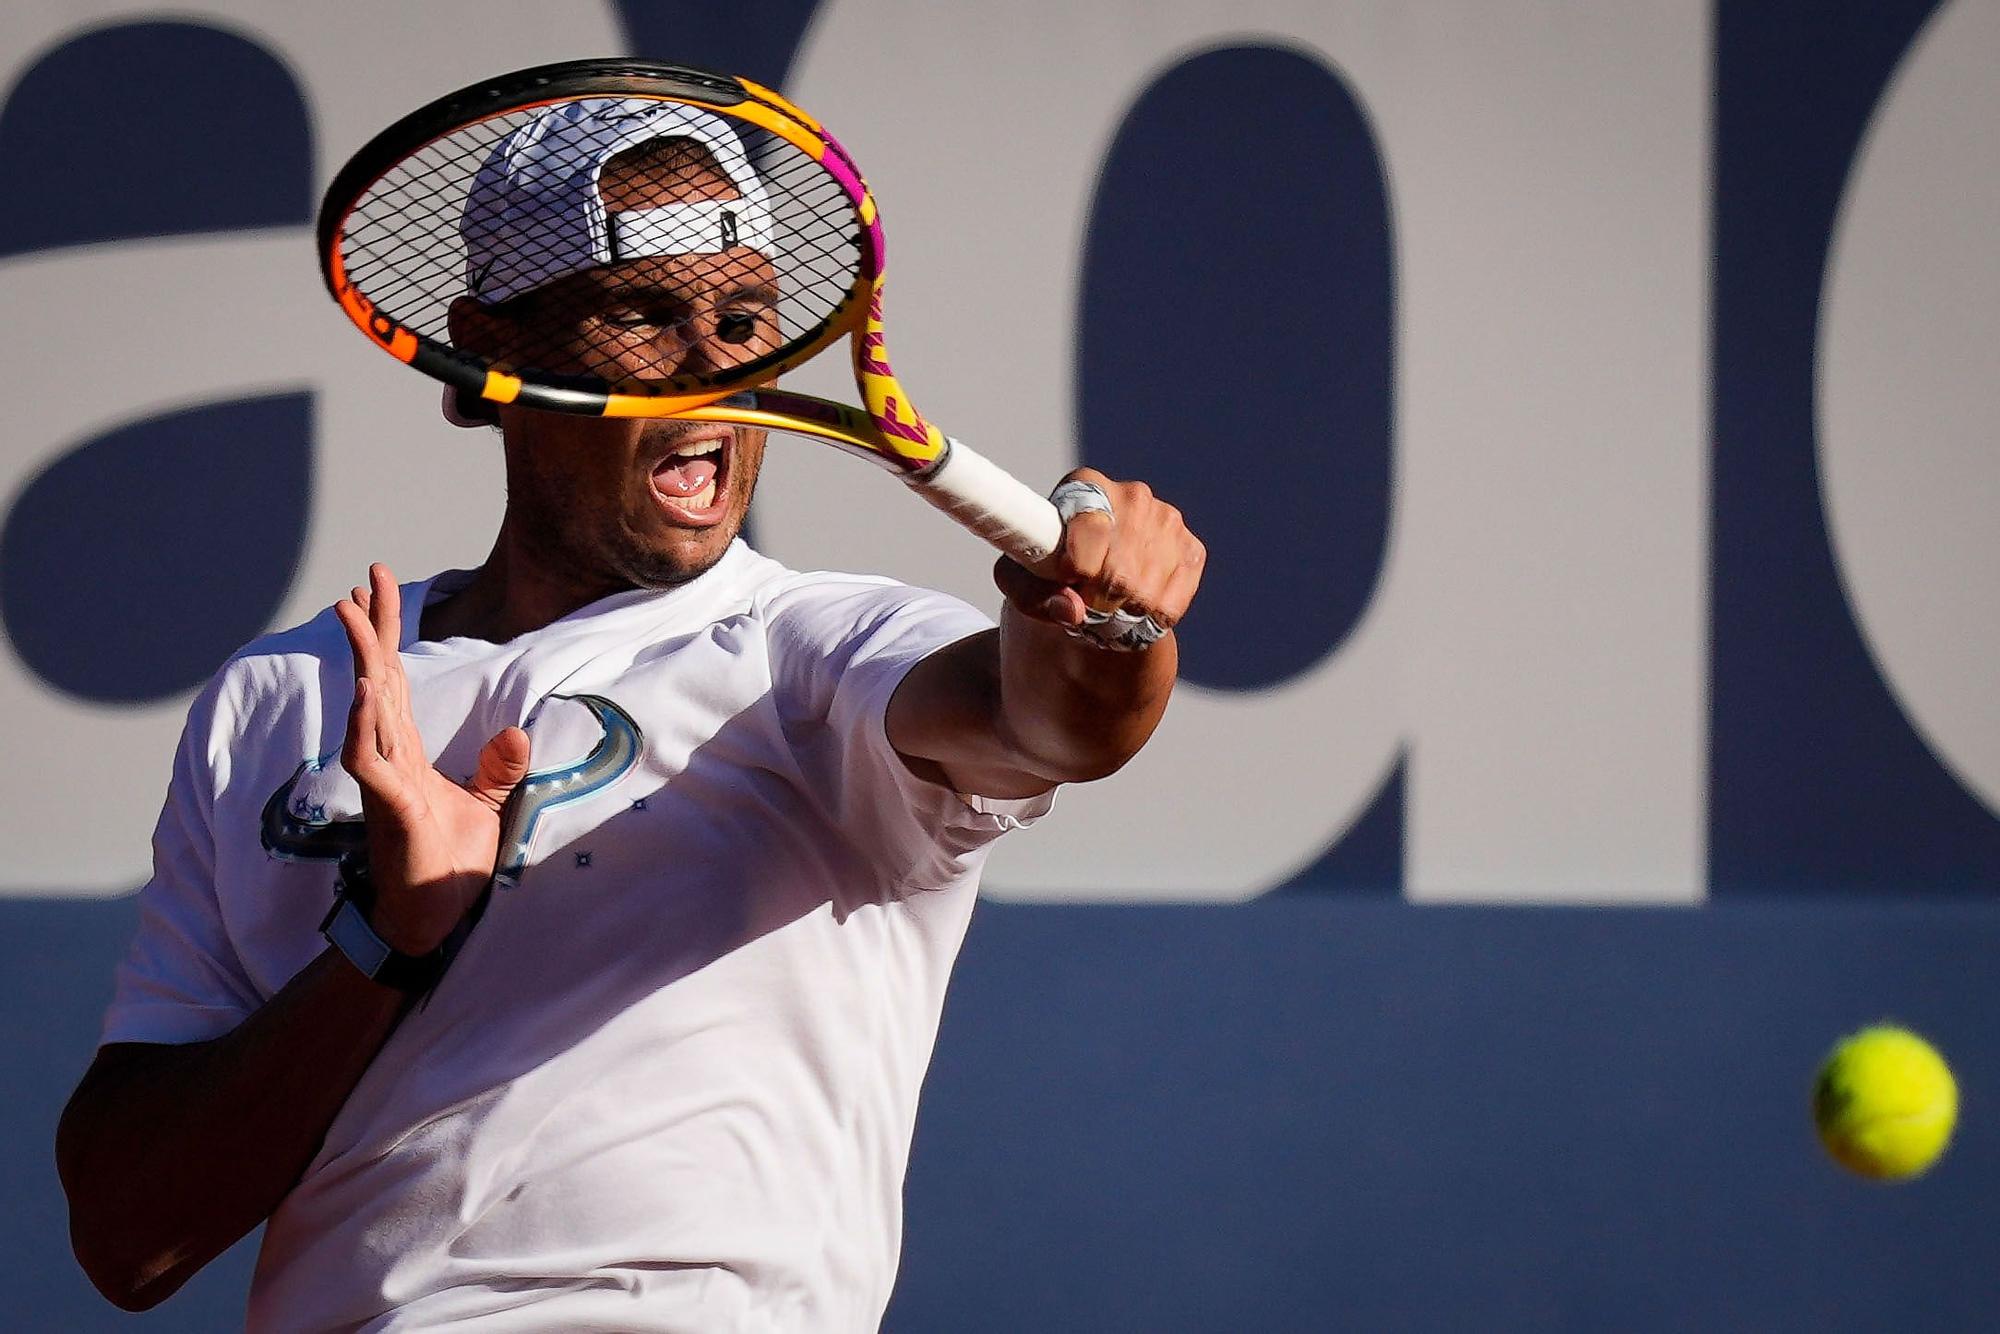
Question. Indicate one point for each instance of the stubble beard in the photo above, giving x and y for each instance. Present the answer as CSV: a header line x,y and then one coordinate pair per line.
x,y
567,532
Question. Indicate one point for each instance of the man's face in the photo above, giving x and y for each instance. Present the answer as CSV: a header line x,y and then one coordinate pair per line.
x,y
645,503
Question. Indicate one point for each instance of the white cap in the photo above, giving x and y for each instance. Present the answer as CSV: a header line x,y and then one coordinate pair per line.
x,y
534,214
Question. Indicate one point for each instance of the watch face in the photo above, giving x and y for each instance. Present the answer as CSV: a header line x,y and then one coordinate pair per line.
x,y
350,933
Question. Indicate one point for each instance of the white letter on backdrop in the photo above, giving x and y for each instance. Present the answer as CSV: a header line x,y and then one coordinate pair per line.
x,y
1538,641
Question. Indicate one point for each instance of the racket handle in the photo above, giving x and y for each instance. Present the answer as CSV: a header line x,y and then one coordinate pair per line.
x,y
989,501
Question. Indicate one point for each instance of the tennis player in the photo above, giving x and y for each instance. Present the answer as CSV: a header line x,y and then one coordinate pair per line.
x,y
648,858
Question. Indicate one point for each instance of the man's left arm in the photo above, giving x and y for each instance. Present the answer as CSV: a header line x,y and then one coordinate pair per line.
x,y
1018,710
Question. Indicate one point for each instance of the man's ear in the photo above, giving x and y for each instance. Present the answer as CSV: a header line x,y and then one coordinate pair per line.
x,y
471,327
462,407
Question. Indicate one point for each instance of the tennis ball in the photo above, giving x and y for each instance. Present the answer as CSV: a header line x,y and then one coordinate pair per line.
x,y
1885,1103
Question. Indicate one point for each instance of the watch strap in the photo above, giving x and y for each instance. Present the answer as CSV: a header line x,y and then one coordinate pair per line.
x,y
347,929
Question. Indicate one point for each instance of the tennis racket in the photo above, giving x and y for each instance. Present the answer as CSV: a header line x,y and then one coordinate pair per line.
x,y
481,240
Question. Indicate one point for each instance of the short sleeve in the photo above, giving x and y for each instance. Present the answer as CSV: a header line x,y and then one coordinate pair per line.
x,y
839,649
181,980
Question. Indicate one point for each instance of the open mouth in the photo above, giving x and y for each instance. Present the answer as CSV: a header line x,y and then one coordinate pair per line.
x,y
692,480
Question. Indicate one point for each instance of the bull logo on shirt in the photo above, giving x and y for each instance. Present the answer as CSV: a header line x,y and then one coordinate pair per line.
x,y
296,829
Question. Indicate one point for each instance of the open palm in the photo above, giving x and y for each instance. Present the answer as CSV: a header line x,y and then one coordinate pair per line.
x,y
431,842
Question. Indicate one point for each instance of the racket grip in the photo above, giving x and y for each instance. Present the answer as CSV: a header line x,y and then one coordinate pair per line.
x,y
989,501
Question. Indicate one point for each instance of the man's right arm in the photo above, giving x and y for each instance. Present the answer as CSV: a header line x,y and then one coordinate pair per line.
x,y
170,1154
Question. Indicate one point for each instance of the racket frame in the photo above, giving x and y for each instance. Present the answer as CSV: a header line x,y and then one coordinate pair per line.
x,y
547,85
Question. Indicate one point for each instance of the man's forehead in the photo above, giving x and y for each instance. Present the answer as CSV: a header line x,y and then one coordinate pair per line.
x,y
662,172
746,273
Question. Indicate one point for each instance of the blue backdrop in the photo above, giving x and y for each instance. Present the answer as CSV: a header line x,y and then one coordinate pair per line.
x,y
1328,1108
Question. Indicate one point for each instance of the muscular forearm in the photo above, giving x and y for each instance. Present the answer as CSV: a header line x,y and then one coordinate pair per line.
x,y
169,1154
1076,711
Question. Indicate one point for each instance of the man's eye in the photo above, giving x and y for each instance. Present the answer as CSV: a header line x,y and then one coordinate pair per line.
x,y
736,326
630,319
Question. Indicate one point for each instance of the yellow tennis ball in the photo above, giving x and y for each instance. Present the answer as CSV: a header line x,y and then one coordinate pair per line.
x,y
1885,1103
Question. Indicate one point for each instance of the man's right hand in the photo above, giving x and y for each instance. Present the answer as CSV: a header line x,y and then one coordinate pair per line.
x,y
431,843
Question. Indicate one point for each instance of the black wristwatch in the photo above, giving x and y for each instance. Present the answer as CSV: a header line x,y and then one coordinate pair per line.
x,y
346,927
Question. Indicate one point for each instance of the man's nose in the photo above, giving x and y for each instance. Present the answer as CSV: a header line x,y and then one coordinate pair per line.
x,y
697,353
687,347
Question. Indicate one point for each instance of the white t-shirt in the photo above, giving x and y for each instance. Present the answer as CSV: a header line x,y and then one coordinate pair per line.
x,y
669,1082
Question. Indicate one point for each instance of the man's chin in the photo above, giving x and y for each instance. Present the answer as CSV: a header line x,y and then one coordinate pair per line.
x,y
678,562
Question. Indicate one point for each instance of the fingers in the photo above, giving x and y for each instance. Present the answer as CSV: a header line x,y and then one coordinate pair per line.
x,y
503,763
1087,537
361,640
361,753
377,632
1043,599
1181,584
1140,558
371,616
358,750
385,608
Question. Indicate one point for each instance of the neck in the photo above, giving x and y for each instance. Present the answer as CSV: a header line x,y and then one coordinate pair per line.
x,y
517,590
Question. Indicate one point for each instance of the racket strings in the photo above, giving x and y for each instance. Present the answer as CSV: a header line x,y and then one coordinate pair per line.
x,y
528,275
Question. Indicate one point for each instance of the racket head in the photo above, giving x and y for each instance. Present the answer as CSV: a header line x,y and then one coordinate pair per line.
x,y
620,238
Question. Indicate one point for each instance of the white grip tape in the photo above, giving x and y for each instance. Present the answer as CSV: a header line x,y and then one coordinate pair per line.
x,y
989,501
